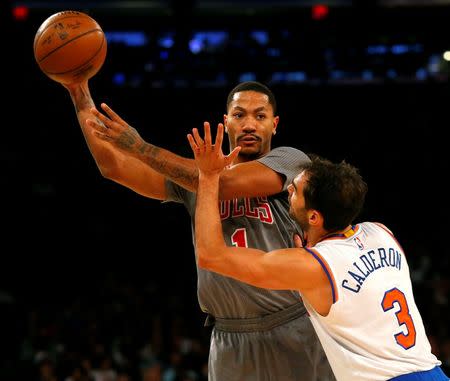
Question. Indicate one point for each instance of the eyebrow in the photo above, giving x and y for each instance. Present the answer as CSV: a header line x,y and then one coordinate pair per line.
x,y
262,108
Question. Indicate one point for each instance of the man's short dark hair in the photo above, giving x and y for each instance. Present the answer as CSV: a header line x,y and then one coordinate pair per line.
x,y
253,86
336,190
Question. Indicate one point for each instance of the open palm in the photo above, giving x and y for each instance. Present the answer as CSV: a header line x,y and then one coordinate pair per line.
x,y
208,156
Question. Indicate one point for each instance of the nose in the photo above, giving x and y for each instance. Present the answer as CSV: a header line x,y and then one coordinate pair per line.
x,y
249,125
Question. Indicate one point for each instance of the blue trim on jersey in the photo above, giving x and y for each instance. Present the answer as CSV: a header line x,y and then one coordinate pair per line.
x,y
435,374
330,279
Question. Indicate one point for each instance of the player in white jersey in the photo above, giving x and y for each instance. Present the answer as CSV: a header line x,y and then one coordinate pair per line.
x,y
354,279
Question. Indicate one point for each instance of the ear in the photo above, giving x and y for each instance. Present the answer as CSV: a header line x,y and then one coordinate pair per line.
x,y
225,120
315,218
276,120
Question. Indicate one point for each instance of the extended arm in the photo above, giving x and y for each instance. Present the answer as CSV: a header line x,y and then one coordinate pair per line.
x,y
282,269
242,180
113,163
285,269
124,157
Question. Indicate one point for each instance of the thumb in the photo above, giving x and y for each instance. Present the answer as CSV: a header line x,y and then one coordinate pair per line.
x,y
232,155
298,242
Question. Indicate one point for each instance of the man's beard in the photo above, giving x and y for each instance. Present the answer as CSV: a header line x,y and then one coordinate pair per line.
x,y
248,156
298,219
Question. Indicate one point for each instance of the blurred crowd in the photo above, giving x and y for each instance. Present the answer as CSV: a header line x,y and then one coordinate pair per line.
x,y
120,328
116,331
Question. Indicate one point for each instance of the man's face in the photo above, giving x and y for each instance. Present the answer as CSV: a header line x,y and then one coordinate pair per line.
x,y
250,123
297,208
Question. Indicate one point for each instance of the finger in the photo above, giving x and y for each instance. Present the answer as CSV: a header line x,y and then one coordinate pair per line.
x,y
112,114
219,136
208,140
194,146
197,138
232,155
101,135
298,241
95,125
101,117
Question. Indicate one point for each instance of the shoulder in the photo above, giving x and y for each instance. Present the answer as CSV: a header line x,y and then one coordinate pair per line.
x,y
377,226
286,150
285,154
286,161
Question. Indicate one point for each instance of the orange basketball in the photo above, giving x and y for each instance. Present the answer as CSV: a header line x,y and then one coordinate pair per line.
x,y
70,46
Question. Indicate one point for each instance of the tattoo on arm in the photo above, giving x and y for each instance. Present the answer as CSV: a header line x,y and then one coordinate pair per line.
x,y
83,104
82,100
183,174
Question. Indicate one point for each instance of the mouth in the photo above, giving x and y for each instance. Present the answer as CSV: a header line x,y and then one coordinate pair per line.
x,y
248,139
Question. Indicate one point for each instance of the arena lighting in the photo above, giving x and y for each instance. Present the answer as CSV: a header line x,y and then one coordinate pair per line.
x,y
446,55
128,38
319,11
20,12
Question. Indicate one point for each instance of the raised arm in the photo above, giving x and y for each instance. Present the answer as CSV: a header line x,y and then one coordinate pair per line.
x,y
112,162
285,269
124,157
242,180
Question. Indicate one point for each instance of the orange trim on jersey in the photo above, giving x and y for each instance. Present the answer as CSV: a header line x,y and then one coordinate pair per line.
x,y
328,272
350,232
344,235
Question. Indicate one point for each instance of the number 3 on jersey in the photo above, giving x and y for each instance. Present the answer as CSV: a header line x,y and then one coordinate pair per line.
x,y
239,238
403,317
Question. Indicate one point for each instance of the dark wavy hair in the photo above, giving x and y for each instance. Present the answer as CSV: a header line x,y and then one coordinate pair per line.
x,y
336,190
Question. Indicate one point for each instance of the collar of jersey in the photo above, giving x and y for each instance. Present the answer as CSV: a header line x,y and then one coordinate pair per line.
x,y
351,231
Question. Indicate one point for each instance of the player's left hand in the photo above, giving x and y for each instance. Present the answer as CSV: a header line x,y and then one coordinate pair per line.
x,y
209,157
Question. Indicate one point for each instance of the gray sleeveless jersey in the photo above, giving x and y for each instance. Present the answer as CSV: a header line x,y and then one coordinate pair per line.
x,y
262,223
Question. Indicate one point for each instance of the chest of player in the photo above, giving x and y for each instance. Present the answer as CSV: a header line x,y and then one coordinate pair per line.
x,y
257,207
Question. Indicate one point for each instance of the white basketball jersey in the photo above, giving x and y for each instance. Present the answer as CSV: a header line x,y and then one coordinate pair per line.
x,y
374,330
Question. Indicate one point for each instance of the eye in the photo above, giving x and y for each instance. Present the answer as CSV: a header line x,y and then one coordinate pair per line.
x,y
261,116
237,115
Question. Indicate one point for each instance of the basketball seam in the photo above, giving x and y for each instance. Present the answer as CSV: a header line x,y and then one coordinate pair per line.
x,y
59,20
76,68
69,41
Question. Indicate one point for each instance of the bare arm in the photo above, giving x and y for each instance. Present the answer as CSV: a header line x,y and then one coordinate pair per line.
x,y
124,157
285,269
243,180
112,162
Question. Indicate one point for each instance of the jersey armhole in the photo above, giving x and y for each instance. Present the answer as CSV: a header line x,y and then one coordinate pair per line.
x,y
322,261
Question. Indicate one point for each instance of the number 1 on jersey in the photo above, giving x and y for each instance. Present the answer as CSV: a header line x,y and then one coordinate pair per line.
x,y
239,238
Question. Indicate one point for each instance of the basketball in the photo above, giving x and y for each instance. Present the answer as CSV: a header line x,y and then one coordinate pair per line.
x,y
69,47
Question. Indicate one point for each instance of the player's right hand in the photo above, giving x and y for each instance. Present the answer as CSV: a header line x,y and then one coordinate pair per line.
x,y
113,129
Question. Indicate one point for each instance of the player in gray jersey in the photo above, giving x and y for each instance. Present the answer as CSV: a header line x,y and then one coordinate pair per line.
x,y
258,335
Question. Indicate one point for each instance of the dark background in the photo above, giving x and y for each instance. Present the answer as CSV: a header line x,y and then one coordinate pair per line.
x,y
74,241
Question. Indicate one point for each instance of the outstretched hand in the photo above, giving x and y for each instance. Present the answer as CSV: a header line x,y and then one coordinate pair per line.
x,y
208,156
113,129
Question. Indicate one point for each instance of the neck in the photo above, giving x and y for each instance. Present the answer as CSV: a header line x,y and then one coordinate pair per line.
x,y
314,236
